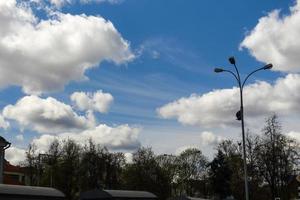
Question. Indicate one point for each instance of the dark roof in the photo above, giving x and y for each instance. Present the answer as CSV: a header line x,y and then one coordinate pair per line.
x,y
29,191
2,140
104,194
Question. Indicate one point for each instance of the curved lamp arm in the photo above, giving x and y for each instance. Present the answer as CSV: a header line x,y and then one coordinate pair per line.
x,y
268,66
250,75
235,76
237,72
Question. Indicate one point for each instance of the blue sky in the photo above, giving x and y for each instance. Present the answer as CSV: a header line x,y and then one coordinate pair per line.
x,y
173,47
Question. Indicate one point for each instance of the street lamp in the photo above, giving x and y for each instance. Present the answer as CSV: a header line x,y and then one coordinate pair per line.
x,y
240,113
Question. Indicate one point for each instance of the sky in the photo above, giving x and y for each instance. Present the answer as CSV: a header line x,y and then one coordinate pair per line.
x,y
132,73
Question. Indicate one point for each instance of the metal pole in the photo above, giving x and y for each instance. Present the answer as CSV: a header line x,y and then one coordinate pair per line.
x,y
244,145
243,125
241,86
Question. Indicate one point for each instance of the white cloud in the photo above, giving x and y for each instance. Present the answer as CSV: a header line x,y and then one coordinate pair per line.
x,y
208,138
20,137
102,1
45,55
15,155
3,123
52,5
295,135
98,101
122,137
179,150
217,108
128,157
205,140
275,40
46,115
119,138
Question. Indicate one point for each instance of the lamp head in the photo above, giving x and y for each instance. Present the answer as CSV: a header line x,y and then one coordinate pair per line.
x,y
268,66
232,60
218,70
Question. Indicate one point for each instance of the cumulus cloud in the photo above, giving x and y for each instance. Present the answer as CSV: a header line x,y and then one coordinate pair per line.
x,y
44,55
208,138
3,123
46,115
217,108
15,155
275,40
122,137
119,138
98,101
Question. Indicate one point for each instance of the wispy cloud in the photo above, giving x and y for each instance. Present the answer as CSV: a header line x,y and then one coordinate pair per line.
x,y
172,51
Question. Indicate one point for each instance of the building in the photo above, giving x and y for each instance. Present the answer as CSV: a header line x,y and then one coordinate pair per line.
x,y
14,175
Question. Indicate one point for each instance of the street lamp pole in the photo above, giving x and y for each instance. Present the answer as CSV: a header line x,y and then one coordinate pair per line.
x,y
240,113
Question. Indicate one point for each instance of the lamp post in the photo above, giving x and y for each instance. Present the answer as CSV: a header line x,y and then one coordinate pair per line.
x,y
3,146
240,113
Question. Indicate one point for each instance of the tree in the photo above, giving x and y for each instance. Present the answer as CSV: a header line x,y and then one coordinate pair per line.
x,y
144,173
92,166
69,169
31,164
220,175
276,157
114,165
191,168
169,166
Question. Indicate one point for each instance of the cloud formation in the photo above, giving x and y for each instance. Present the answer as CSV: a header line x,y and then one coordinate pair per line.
x,y
44,55
295,135
121,137
57,120
3,123
275,40
15,155
208,138
46,115
217,108
98,101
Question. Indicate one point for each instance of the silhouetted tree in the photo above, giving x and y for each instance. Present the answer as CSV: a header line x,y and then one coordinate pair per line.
x,y
191,167
31,164
277,156
146,174
220,175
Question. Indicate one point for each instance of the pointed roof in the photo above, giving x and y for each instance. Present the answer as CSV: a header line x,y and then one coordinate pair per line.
x,y
3,141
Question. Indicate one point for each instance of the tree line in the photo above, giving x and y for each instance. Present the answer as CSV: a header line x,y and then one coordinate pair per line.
x,y
272,162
